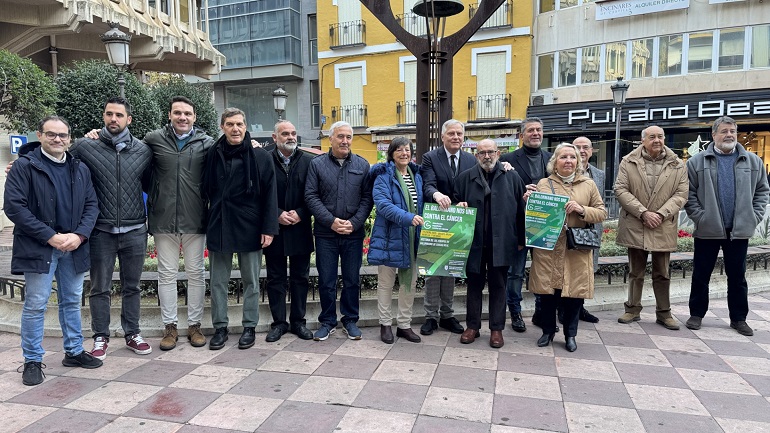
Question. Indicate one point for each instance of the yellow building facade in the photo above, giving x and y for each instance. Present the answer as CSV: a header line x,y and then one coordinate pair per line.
x,y
368,78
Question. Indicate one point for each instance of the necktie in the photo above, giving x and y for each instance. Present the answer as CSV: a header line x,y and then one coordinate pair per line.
x,y
453,164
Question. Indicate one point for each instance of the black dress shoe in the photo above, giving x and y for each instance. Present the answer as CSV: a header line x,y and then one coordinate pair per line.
x,y
517,323
408,335
301,331
428,327
247,338
571,344
588,317
545,340
218,340
452,325
386,334
275,334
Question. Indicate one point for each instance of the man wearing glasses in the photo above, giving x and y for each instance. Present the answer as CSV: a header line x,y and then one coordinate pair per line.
x,y
50,199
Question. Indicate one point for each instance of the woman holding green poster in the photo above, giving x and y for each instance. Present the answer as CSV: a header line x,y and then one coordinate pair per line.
x,y
395,235
564,275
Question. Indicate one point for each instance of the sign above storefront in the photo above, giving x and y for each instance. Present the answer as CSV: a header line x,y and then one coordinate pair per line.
x,y
623,8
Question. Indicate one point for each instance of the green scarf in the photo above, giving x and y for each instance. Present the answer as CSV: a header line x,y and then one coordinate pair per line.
x,y
405,275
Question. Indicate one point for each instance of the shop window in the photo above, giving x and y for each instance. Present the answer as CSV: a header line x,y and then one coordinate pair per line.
x,y
545,71
641,58
670,55
700,52
760,46
567,68
615,61
589,65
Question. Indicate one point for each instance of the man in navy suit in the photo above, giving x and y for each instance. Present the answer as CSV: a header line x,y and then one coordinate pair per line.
x,y
440,166
529,161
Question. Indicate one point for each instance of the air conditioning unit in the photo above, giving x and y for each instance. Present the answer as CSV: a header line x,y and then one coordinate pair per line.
x,y
543,98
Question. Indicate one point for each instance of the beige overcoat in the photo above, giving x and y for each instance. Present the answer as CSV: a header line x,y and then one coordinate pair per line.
x,y
569,270
634,196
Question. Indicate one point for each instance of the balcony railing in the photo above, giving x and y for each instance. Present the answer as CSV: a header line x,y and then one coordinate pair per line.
x,y
347,34
489,107
406,111
356,115
501,18
413,23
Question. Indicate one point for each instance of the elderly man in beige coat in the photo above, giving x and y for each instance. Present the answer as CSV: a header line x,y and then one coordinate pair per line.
x,y
651,188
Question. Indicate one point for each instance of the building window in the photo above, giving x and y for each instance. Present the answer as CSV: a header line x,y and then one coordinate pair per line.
x,y
670,56
589,69
567,68
312,35
547,5
760,46
700,50
615,61
545,71
256,101
315,104
641,58
731,46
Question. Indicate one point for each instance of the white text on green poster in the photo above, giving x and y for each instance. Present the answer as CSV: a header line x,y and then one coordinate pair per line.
x,y
445,240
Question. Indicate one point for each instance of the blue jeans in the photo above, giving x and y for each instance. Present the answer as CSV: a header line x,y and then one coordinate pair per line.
x,y
69,291
516,281
130,249
329,252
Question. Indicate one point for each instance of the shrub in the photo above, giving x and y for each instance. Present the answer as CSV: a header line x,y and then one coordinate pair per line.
x,y
27,93
83,89
163,87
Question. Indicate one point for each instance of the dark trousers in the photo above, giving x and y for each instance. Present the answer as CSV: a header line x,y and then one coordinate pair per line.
x,y
704,258
570,307
348,253
495,278
130,249
299,273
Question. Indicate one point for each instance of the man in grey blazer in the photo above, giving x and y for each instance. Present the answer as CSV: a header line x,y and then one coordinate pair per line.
x,y
440,166
586,149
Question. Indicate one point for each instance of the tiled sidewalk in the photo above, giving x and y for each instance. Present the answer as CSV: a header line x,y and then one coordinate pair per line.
x,y
623,378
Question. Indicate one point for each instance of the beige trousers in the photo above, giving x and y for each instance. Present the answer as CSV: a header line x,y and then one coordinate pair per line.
x,y
386,279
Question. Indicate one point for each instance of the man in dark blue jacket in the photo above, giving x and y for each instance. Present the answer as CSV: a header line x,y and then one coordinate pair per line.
x,y
339,195
50,199
239,184
295,237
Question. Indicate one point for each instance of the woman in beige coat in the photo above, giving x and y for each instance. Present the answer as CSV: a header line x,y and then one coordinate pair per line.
x,y
563,273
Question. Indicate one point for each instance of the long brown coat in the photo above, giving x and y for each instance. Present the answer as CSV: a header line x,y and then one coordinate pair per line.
x,y
569,270
634,196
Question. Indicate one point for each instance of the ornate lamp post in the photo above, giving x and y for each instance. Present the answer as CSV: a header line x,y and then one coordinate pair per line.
x,y
280,95
619,90
118,44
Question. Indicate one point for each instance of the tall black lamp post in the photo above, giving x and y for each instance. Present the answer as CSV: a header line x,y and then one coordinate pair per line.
x,y
118,44
619,89
280,95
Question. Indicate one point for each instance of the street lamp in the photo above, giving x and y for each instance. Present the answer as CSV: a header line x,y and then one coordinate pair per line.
x,y
619,90
280,95
117,44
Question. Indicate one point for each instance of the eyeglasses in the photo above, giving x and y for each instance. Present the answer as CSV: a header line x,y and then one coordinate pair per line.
x,y
52,135
486,152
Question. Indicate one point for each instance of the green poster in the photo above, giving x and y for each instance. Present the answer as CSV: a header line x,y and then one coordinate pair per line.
x,y
544,218
445,240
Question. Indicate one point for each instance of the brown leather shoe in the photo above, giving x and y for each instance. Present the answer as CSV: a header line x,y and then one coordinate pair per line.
x,y
386,334
408,335
195,335
170,337
469,336
496,339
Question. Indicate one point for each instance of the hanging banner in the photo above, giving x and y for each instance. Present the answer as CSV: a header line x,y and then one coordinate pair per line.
x,y
544,219
623,8
445,240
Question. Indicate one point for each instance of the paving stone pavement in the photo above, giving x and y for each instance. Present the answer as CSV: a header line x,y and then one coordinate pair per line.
x,y
623,378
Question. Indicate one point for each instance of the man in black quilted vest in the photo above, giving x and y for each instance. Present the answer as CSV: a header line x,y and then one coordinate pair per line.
x,y
117,161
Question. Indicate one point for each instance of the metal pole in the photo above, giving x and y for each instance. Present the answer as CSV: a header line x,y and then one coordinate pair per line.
x,y
122,83
616,208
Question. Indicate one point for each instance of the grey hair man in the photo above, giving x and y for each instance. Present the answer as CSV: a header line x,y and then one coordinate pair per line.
x,y
727,199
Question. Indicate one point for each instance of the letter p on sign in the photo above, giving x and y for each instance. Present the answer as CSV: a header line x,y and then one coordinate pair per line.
x,y
16,142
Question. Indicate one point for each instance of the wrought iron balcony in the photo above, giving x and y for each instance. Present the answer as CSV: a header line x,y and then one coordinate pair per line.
x,y
489,107
406,112
412,23
347,34
502,18
356,115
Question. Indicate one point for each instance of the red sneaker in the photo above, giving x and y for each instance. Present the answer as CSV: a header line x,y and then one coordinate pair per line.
x,y
138,345
100,348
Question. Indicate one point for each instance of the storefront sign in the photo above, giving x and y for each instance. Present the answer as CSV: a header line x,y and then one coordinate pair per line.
x,y
445,240
624,8
703,109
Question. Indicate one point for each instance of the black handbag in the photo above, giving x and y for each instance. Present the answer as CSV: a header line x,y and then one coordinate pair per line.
x,y
580,238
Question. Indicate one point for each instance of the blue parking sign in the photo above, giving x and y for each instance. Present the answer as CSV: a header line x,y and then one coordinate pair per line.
x,y
16,142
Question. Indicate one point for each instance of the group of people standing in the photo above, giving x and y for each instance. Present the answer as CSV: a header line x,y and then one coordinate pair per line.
x,y
79,207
